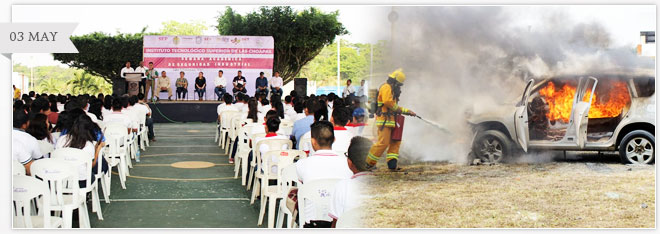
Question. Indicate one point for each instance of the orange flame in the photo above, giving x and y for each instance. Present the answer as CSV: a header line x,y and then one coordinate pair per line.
x,y
606,103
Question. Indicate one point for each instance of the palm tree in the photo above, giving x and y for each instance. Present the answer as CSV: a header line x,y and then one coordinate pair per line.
x,y
83,83
52,85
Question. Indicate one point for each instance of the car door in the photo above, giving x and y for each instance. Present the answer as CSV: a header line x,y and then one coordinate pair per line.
x,y
581,105
521,121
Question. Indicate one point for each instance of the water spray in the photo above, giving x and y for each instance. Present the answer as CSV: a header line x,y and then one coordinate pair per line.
x,y
434,124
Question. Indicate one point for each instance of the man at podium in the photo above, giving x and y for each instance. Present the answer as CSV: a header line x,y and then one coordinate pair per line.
x,y
122,73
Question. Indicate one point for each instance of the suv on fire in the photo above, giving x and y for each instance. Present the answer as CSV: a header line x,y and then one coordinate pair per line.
x,y
572,113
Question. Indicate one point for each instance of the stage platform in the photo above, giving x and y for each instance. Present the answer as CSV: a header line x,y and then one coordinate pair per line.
x,y
184,111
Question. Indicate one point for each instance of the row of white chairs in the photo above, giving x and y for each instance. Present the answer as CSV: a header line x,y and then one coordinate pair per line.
x,y
54,182
280,167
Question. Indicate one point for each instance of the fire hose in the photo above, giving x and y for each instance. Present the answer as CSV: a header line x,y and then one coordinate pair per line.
x,y
434,124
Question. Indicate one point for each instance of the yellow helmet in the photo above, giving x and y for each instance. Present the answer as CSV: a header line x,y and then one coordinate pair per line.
x,y
398,75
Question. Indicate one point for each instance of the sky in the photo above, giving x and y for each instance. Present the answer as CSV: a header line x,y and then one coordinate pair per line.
x,y
366,24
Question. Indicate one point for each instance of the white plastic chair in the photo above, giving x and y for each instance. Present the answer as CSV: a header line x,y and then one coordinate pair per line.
x,y
274,160
250,170
79,158
25,190
242,152
315,197
17,168
224,126
235,125
286,127
65,195
287,181
228,128
115,138
353,218
273,144
306,143
143,132
45,147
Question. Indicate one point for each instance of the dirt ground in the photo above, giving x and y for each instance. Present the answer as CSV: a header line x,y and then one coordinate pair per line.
x,y
565,194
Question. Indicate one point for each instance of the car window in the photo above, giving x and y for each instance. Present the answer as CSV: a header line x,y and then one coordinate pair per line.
x,y
645,86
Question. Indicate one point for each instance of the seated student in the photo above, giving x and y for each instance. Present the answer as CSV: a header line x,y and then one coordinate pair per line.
x,y
226,106
149,122
340,117
85,135
116,116
239,102
357,125
25,147
302,126
323,164
350,193
250,116
271,127
127,109
299,109
263,108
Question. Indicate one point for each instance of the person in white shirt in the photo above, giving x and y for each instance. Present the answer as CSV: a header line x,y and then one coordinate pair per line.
x,y
149,122
220,83
323,164
116,116
362,90
25,147
142,69
164,84
126,69
340,117
349,90
128,110
122,74
226,106
87,136
350,193
276,84
240,104
263,108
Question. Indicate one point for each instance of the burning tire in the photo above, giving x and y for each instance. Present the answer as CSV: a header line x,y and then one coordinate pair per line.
x,y
637,147
492,146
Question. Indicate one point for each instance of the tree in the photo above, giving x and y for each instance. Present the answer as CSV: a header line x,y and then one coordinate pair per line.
x,y
104,55
52,85
299,36
83,83
193,28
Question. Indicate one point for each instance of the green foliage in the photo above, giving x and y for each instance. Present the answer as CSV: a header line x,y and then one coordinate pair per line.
x,y
193,28
354,65
299,36
104,55
59,80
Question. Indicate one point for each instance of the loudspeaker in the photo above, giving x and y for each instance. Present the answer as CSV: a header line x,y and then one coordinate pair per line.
x,y
118,86
300,86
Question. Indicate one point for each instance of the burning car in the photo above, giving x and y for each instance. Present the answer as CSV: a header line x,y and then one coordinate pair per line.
x,y
608,112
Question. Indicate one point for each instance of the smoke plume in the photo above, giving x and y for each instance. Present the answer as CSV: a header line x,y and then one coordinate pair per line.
x,y
459,58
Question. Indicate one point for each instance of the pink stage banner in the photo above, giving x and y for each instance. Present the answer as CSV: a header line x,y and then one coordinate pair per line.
x,y
208,54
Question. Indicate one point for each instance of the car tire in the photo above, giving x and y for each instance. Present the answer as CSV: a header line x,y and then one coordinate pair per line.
x,y
637,147
492,146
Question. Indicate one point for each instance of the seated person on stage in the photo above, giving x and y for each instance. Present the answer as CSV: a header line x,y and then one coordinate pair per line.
x,y
350,193
181,86
340,117
164,85
220,83
200,85
261,84
239,83
323,164
276,84
226,106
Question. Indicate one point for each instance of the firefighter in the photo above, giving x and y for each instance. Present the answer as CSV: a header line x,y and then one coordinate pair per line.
x,y
387,111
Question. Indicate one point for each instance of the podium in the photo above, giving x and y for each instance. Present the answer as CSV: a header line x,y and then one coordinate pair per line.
x,y
133,82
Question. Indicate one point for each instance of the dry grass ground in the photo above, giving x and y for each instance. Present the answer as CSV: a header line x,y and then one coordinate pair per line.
x,y
550,195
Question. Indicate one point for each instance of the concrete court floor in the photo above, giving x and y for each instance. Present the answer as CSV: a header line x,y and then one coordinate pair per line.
x,y
158,195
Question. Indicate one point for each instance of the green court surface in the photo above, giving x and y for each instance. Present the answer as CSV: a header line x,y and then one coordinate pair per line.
x,y
200,192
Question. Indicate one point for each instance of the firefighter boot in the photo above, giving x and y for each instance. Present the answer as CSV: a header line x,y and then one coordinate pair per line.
x,y
391,164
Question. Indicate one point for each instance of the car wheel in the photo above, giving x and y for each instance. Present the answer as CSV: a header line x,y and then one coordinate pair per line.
x,y
492,146
637,147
